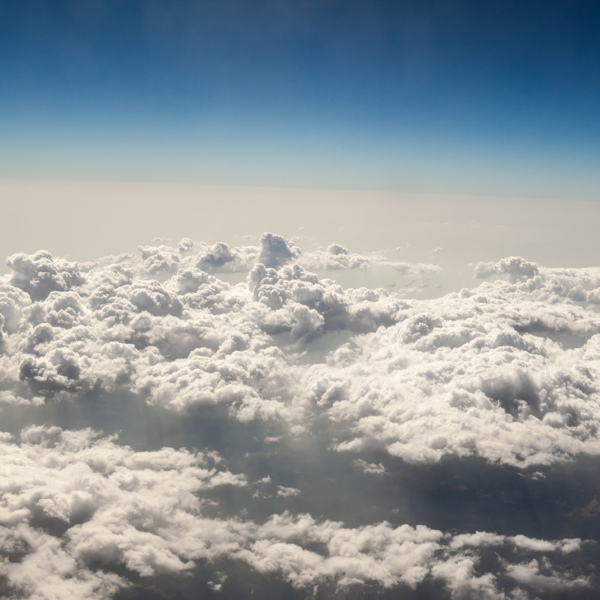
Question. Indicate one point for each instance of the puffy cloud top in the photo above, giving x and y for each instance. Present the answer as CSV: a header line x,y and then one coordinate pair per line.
x,y
41,273
276,251
515,266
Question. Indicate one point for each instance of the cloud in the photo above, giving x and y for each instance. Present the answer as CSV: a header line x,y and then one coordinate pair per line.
x,y
515,266
401,556
286,492
273,251
336,257
159,259
370,468
505,373
72,505
295,301
276,251
41,273
76,509
413,269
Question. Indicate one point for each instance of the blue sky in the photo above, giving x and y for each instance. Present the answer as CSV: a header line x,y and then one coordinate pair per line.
x,y
463,97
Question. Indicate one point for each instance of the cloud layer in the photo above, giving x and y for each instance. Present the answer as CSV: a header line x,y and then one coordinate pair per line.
x,y
505,374
75,509
506,371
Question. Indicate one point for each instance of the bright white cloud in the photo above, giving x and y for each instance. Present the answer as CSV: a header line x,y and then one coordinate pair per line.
x,y
482,372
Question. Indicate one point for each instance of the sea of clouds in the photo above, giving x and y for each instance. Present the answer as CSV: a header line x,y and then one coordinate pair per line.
x,y
169,433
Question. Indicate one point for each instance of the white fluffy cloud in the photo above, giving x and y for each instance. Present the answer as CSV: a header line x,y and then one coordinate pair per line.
x,y
488,372
72,505
336,257
186,341
273,251
506,372
40,274
75,507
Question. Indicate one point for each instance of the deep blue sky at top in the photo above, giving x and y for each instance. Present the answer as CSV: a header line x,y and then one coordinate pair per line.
x,y
474,97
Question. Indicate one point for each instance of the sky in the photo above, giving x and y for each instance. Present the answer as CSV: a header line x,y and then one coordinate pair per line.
x,y
299,300
454,97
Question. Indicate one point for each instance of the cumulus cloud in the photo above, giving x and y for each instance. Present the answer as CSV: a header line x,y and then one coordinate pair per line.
x,y
505,373
489,372
187,341
515,266
401,556
371,468
72,506
295,301
336,257
276,251
273,251
75,508
41,273
158,259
